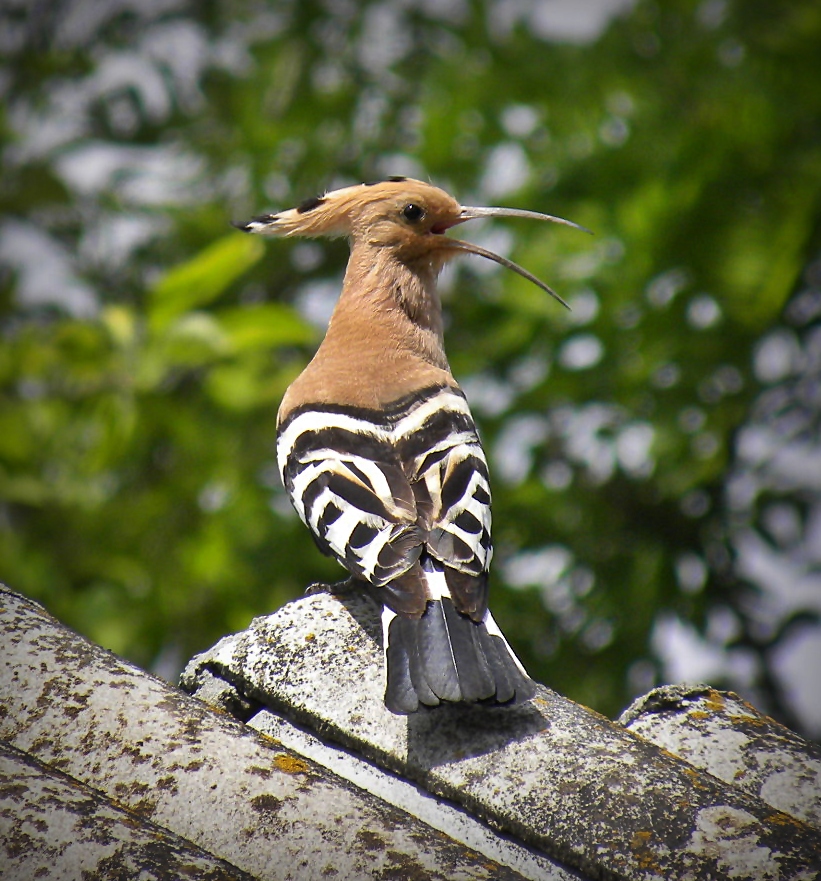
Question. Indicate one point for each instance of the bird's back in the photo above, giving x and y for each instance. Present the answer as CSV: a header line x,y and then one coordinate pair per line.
x,y
399,495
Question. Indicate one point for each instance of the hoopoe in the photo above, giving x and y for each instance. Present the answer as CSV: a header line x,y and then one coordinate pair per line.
x,y
379,453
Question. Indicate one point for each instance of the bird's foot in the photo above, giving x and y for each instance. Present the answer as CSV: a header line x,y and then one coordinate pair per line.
x,y
338,588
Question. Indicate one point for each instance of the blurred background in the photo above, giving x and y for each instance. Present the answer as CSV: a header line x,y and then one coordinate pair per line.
x,y
654,453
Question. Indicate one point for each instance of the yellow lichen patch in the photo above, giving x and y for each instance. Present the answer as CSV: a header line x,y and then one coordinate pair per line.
x,y
698,715
754,718
290,764
753,711
269,738
642,850
666,752
778,818
698,778
310,637
714,701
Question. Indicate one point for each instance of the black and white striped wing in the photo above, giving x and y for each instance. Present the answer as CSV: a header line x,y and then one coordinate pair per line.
x,y
460,536
441,441
345,480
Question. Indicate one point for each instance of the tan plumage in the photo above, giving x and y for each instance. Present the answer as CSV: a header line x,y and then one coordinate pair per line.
x,y
378,450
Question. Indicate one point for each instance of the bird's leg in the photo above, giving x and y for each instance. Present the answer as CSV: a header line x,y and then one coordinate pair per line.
x,y
338,588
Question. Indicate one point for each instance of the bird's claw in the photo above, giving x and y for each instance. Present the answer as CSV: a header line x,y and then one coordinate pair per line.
x,y
337,588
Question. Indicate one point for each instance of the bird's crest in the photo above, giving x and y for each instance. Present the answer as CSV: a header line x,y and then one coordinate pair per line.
x,y
340,212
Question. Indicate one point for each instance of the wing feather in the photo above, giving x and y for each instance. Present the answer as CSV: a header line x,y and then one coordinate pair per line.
x,y
378,496
360,508
446,458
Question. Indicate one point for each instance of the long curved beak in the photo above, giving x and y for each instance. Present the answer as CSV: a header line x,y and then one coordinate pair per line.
x,y
469,248
469,213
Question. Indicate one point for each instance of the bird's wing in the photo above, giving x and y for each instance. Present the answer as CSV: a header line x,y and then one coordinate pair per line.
x,y
348,486
440,447
375,496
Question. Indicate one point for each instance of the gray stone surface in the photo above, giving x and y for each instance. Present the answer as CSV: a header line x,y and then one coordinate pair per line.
x,y
732,740
556,776
53,828
438,813
169,759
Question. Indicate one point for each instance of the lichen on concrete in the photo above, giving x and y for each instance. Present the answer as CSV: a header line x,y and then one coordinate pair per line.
x,y
559,778
159,754
50,826
727,737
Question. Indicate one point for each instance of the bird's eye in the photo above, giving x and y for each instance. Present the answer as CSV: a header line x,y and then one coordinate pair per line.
x,y
413,213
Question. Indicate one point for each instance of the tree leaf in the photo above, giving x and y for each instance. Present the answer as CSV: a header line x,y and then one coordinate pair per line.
x,y
202,279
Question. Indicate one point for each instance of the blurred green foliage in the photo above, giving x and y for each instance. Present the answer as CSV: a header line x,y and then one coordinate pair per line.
x,y
140,500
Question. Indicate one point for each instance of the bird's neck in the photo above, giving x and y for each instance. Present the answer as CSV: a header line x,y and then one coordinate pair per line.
x,y
384,341
388,307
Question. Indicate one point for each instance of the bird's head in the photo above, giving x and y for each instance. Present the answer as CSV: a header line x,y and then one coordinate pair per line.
x,y
408,216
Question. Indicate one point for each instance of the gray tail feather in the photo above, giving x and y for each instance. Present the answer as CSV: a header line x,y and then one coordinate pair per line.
x,y
446,656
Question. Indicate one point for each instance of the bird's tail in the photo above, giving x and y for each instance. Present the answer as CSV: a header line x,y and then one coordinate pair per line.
x,y
447,656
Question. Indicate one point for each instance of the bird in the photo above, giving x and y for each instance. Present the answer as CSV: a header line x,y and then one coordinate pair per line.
x,y
378,450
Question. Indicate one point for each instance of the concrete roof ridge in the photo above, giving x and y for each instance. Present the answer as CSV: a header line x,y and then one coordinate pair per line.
x,y
142,755
313,775
553,775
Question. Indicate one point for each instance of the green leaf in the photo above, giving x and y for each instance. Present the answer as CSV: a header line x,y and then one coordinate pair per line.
x,y
202,279
264,325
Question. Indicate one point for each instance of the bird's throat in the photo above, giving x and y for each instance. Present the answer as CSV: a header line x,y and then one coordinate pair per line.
x,y
393,304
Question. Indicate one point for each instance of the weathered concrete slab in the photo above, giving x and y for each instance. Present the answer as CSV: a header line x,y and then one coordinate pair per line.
x,y
732,740
200,774
52,827
556,776
442,815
